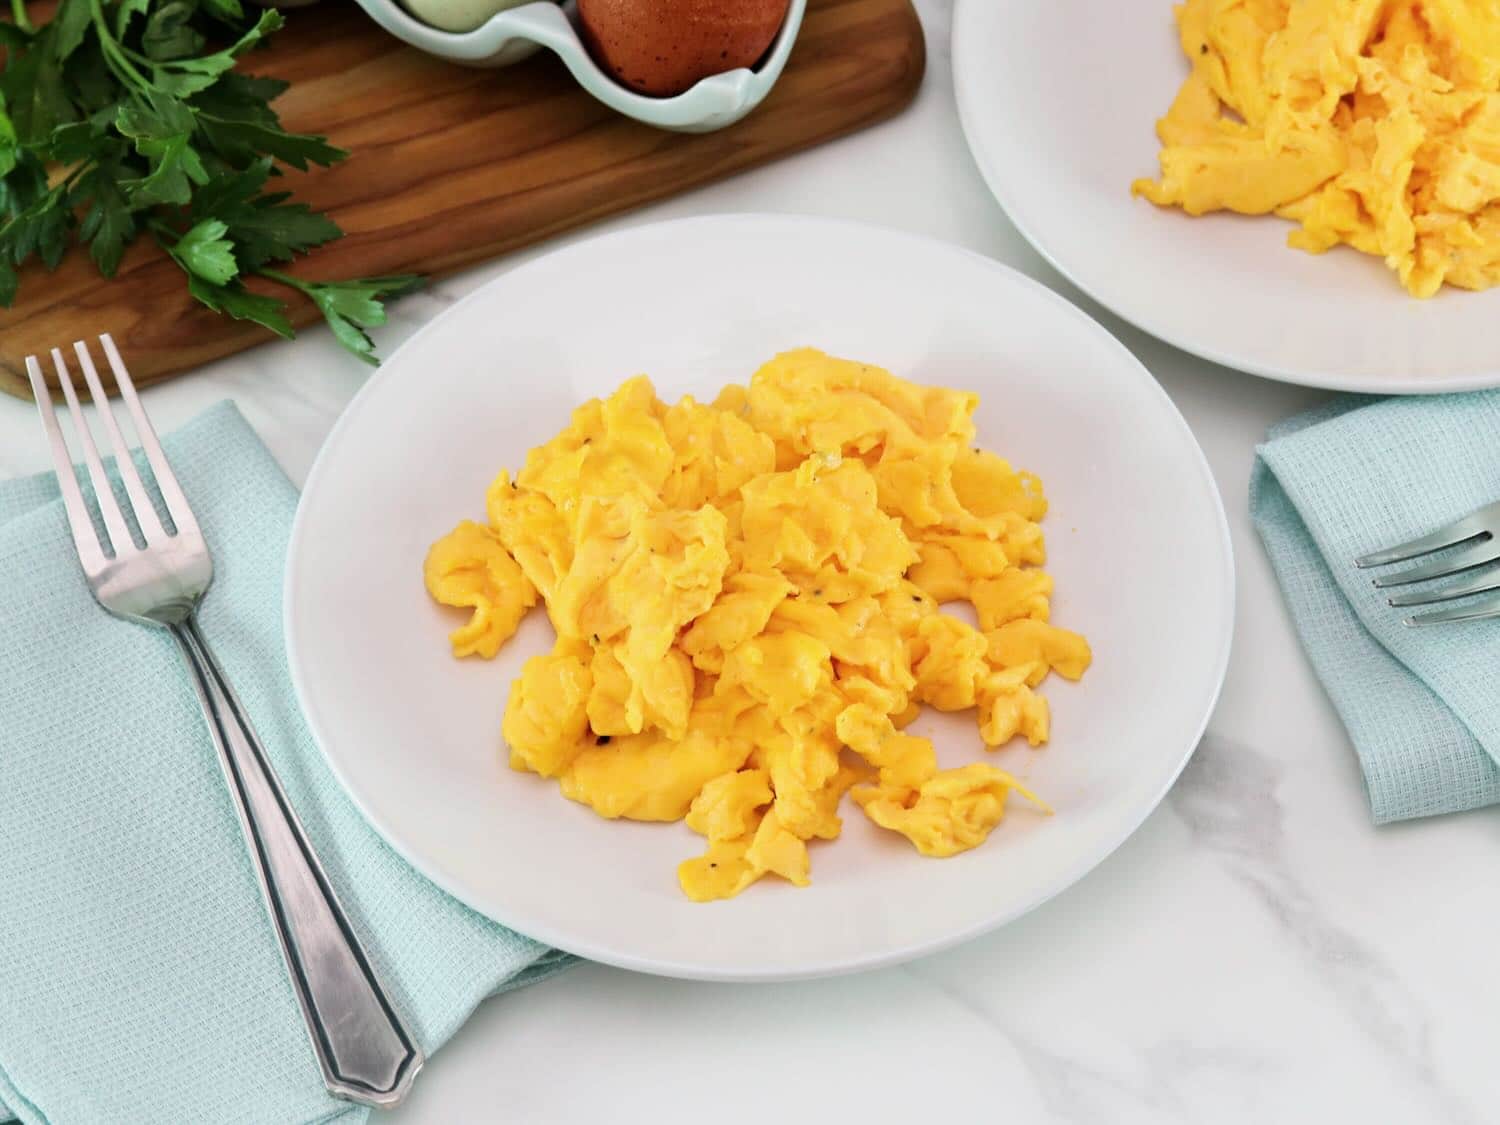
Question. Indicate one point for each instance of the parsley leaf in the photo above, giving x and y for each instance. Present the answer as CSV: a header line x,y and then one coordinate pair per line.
x,y
26,183
264,227
109,223
10,149
162,132
277,231
127,9
236,117
87,76
69,26
204,252
237,301
53,229
78,140
179,70
241,97
170,49
169,34
225,10
237,141
352,306
32,86
230,190
45,231
239,122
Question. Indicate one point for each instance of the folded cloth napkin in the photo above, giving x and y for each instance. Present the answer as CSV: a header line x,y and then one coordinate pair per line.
x,y
1357,475
139,977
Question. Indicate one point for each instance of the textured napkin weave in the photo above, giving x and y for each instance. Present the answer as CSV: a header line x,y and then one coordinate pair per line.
x,y
1420,704
140,979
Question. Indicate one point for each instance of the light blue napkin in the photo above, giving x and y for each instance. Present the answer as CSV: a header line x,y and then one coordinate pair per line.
x,y
139,977
1420,704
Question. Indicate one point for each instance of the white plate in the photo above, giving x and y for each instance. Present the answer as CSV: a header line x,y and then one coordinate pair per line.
x,y
1059,102
1138,540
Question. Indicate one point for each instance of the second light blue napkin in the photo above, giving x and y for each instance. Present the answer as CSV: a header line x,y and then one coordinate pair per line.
x,y
139,977
1420,704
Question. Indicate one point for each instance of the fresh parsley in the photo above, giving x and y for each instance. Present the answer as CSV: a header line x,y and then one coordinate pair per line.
x,y
124,118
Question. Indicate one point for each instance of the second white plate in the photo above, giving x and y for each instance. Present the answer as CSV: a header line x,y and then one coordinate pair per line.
x,y
1059,103
1137,539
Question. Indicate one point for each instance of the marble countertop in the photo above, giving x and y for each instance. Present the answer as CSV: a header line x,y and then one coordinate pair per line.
x,y
1258,951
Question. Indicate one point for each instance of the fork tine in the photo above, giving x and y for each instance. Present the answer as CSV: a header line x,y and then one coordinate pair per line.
x,y
140,500
1449,535
1478,584
1467,557
166,480
1485,607
104,493
85,538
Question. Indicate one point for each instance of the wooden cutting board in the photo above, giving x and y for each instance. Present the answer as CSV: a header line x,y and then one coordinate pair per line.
x,y
451,165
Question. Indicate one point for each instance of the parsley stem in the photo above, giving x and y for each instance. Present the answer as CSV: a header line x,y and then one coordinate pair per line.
x,y
113,51
179,64
284,279
162,232
78,170
18,13
131,53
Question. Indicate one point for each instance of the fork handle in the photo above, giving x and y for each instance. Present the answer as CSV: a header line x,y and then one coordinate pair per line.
x,y
366,1053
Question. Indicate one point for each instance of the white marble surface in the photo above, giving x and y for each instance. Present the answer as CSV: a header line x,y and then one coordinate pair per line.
x,y
1256,952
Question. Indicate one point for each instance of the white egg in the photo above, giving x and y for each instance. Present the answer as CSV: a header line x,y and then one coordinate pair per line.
x,y
458,15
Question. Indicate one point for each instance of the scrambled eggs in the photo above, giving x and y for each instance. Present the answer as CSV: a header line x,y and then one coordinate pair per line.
x,y
1374,123
741,590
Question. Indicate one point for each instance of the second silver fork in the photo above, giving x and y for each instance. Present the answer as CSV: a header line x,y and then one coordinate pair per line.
x,y
157,578
1473,543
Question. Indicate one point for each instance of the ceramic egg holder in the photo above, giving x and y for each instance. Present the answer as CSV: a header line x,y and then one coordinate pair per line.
x,y
512,35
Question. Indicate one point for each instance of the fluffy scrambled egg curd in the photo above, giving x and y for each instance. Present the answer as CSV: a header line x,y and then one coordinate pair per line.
x,y
744,589
1374,123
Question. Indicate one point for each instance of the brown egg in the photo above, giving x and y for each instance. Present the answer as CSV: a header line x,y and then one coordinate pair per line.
x,y
661,47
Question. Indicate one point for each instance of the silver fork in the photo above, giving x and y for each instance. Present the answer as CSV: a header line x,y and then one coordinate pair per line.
x,y
1476,542
366,1053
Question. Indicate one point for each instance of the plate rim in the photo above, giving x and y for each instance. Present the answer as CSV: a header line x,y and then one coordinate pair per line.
x,y
969,114
588,950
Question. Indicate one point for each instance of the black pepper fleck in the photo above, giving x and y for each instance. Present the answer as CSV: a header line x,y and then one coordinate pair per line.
x,y
604,740
1203,48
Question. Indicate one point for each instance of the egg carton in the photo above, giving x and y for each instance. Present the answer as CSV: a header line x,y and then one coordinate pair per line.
x,y
514,34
